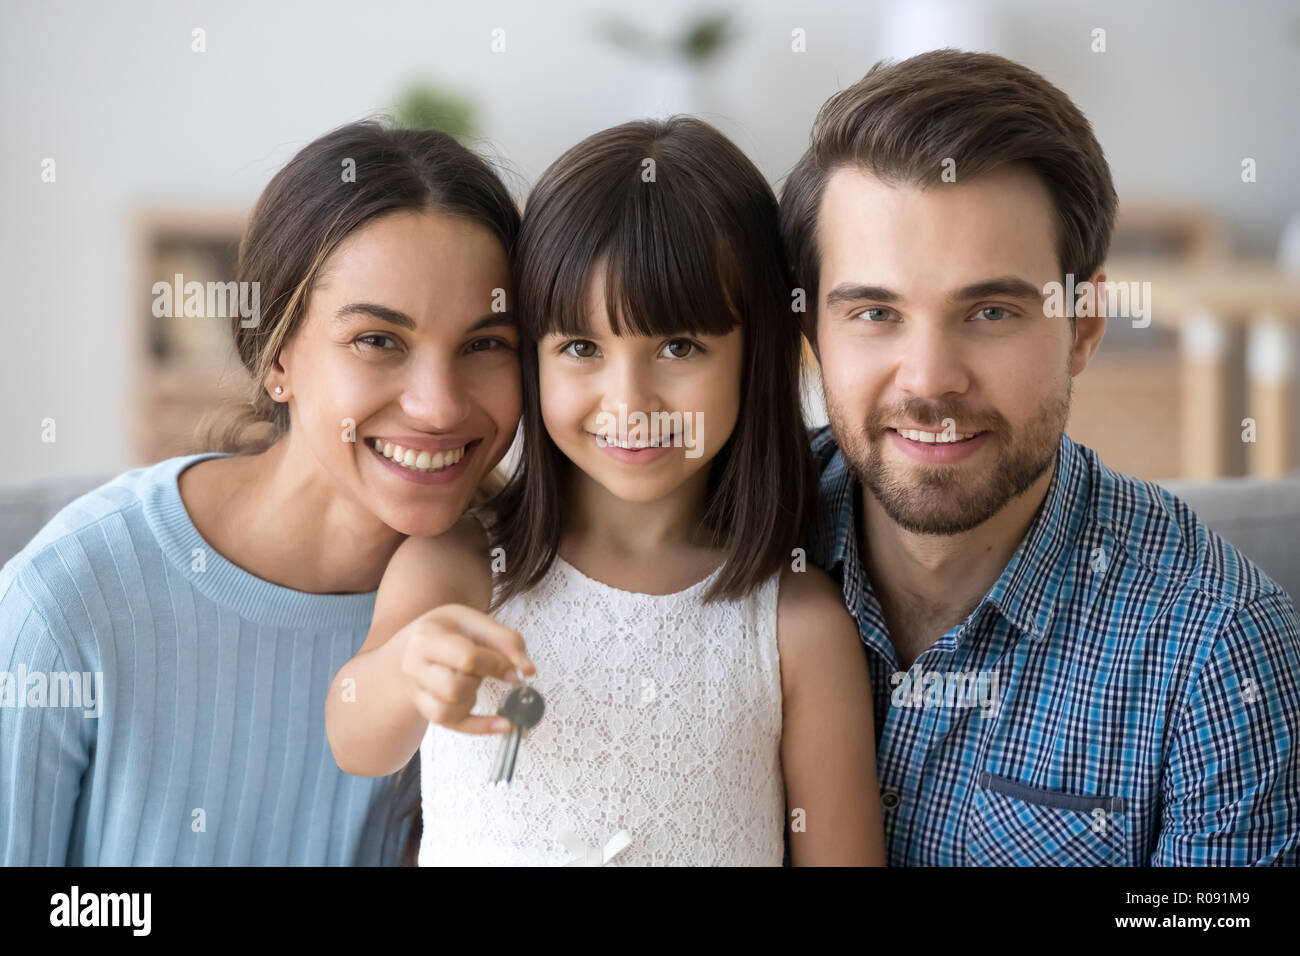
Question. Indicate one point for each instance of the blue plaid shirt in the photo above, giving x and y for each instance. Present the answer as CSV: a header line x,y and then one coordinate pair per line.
x,y
1128,693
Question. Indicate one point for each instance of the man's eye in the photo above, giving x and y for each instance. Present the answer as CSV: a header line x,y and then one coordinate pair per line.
x,y
376,335
581,348
993,313
680,348
875,314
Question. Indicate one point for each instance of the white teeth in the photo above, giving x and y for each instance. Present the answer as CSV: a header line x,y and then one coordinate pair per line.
x,y
933,438
418,461
604,441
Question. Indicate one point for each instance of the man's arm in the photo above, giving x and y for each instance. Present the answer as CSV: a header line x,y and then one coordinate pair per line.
x,y
43,750
1231,783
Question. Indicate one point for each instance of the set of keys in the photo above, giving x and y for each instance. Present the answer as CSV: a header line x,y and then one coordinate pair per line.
x,y
523,707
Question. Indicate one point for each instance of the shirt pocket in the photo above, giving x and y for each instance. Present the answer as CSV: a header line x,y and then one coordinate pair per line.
x,y
1010,824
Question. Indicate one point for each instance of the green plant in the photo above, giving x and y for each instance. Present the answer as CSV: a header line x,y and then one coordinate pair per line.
x,y
423,105
702,39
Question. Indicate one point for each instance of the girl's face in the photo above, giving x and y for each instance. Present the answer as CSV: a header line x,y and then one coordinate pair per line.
x,y
675,400
402,356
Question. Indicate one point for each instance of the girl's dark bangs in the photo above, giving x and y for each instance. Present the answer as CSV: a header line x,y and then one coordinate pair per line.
x,y
666,270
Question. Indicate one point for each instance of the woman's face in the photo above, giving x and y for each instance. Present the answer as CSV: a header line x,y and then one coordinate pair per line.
x,y
407,353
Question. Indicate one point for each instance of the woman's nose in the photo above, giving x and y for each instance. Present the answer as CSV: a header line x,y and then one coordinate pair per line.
x,y
434,397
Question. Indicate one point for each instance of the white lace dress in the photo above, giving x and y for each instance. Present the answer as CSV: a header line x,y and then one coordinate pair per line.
x,y
660,744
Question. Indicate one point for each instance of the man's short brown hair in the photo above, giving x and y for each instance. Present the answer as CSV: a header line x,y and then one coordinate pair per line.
x,y
902,121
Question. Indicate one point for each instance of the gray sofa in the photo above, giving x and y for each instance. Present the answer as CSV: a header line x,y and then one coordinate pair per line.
x,y
1262,518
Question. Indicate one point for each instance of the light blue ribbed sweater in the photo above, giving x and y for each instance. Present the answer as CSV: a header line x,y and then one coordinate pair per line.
x,y
209,747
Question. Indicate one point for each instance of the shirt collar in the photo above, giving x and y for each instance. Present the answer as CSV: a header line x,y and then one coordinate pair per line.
x,y
834,539
1026,591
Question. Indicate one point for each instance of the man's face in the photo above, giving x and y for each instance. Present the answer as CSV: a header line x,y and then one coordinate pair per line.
x,y
946,386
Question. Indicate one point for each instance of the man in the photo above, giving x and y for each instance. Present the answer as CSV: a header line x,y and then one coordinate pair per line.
x,y
1068,668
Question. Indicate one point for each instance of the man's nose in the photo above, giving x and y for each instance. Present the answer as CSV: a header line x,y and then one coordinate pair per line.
x,y
932,364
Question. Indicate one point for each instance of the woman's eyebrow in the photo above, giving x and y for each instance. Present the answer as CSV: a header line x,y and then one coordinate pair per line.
x,y
394,317
381,312
493,319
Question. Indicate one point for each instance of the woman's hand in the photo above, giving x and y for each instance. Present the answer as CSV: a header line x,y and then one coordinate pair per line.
x,y
446,654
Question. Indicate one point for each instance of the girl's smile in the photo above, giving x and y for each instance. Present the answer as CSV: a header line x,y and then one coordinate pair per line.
x,y
634,453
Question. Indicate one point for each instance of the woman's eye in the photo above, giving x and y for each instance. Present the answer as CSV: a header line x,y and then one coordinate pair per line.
x,y
875,314
993,313
680,348
580,348
376,335
488,345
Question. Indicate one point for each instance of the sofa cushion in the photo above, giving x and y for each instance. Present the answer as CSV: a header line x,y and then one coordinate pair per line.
x,y
26,508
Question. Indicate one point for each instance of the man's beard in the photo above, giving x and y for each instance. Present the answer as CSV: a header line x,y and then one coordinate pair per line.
x,y
950,499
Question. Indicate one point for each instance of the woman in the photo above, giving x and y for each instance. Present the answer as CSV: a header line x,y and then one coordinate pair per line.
x,y
218,593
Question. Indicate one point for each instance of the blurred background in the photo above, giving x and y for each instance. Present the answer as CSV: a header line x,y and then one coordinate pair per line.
x,y
130,154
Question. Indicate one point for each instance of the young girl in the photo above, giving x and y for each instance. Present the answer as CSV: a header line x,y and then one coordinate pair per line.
x,y
703,687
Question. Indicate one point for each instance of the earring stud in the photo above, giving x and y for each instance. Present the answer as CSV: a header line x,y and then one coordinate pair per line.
x,y
279,389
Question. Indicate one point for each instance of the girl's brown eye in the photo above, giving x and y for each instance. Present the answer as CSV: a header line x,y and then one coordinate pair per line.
x,y
581,349
680,348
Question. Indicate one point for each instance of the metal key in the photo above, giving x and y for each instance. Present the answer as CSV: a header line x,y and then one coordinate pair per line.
x,y
523,707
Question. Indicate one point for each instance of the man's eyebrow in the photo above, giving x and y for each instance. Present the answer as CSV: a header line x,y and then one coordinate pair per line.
x,y
855,292
1009,286
394,317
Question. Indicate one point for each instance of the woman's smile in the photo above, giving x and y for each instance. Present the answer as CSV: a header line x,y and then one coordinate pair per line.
x,y
438,462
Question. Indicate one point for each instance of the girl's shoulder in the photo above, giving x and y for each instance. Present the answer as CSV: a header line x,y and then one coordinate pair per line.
x,y
810,590
453,567
812,620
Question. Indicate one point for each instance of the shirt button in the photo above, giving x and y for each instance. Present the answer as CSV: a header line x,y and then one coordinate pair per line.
x,y
889,799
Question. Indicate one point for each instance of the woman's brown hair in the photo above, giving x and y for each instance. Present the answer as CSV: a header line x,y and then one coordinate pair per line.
x,y
335,185
685,231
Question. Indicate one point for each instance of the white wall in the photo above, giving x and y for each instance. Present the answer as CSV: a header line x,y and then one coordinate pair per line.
x,y
113,93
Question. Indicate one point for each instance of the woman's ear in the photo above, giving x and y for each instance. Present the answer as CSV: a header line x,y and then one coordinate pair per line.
x,y
276,382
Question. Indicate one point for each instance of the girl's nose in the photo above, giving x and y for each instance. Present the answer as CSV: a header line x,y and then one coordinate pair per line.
x,y
631,386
